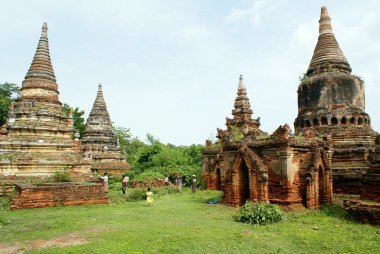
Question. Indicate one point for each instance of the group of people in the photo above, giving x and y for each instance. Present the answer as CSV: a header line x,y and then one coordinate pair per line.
x,y
149,194
178,182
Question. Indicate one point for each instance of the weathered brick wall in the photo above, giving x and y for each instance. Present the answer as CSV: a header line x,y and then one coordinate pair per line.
x,y
6,188
57,194
371,183
363,211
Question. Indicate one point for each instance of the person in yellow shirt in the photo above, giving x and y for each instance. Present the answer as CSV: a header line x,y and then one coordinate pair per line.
x,y
149,197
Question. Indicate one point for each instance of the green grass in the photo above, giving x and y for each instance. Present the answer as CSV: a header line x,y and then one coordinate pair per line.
x,y
184,223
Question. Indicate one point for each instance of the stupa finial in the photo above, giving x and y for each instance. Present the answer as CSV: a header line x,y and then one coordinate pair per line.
x,y
241,85
324,22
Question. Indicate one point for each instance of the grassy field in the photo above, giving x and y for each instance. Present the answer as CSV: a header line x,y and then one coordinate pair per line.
x,y
179,223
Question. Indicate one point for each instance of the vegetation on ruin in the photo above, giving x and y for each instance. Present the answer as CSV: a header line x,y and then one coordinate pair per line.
x,y
8,92
236,133
180,223
303,77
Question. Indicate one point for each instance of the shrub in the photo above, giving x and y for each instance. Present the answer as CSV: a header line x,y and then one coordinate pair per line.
x,y
165,190
149,175
259,213
61,176
5,203
135,194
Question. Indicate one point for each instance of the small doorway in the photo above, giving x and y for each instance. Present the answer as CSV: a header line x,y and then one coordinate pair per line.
x,y
321,185
218,180
243,182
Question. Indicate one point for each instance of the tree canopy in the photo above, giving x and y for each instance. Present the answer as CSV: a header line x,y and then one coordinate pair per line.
x,y
157,160
8,92
78,118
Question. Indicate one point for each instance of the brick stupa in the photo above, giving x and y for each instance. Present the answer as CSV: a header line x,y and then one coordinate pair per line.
x,y
37,140
331,103
99,142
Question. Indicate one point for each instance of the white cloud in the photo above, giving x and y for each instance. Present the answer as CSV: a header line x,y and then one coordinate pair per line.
x,y
255,13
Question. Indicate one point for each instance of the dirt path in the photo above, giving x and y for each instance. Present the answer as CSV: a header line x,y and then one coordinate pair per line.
x,y
59,241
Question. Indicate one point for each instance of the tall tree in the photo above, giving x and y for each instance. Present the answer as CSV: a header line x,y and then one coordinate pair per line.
x,y
78,118
8,92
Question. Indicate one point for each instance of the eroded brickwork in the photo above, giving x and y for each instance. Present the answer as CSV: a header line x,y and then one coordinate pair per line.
x,y
58,194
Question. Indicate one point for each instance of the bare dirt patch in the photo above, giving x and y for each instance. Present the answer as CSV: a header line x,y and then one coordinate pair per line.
x,y
59,241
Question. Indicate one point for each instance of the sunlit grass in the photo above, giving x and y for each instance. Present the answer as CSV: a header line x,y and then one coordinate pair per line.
x,y
184,223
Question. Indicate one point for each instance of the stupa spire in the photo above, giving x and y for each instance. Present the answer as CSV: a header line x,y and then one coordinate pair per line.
x,y
327,56
41,66
242,107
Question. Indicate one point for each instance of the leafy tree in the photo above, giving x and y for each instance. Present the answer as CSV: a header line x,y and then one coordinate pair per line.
x,y
78,118
129,146
8,92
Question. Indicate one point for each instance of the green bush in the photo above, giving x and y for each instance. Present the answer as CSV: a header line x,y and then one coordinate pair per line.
x,y
149,175
165,190
135,194
259,213
5,203
61,176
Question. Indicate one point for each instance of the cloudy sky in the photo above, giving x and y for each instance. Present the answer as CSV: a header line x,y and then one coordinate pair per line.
x,y
171,68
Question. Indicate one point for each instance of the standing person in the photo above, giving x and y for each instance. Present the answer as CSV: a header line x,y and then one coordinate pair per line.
x,y
166,181
194,187
126,180
105,180
180,183
177,181
149,197
123,184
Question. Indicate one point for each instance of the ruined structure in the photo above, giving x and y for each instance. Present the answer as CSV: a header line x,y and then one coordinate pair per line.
x,y
331,103
248,164
37,139
371,180
99,143
58,194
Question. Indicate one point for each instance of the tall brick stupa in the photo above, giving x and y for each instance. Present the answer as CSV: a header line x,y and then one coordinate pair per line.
x,y
38,138
331,102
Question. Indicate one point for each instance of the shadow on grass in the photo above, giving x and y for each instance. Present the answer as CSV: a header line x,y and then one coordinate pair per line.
x,y
335,211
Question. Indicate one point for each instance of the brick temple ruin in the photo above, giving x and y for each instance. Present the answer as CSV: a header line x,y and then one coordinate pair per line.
x,y
38,138
331,146
247,163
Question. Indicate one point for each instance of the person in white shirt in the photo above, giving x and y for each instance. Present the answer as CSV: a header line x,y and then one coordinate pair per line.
x,y
105,180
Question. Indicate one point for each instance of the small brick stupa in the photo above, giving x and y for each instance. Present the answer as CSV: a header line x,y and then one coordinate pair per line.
x,y
331,103
37,140
99,142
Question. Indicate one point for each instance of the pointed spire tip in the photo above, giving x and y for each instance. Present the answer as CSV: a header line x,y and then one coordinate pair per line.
x,y
241,83
44,30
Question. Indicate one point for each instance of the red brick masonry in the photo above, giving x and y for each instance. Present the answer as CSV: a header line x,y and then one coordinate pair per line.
x,y
57,194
